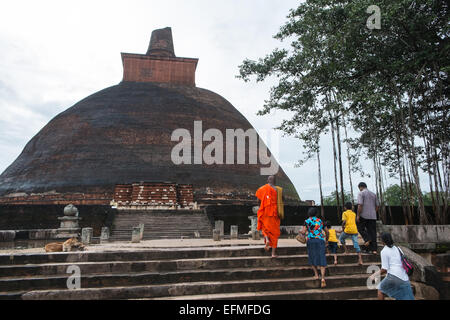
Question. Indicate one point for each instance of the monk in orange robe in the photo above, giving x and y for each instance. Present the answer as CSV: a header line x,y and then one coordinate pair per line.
x,y
268,220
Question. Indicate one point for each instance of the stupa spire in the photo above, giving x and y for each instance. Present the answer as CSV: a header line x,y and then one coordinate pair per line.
x,y
161,43
159,64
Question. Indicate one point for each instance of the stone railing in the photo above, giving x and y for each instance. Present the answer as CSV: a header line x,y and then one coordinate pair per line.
x,y
418,242
418,237
425,278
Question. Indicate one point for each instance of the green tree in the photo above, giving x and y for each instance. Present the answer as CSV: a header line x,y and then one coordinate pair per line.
x,y
331,199
393,196
390,84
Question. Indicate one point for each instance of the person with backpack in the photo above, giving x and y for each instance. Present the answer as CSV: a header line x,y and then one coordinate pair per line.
x,y
396,284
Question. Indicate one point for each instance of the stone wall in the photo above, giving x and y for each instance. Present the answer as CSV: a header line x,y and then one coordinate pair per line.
x,y
419,233
33,217
238,215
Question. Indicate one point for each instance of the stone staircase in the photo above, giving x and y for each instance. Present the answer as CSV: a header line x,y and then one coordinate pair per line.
x,y
445,274
233,272
160,224
442,263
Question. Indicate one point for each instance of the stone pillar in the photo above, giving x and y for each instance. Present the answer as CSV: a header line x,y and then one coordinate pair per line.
x,y
136,235
255,235
253,223
104,236
234,232
380,230
219,225
86,235
141,228
7,235
216,235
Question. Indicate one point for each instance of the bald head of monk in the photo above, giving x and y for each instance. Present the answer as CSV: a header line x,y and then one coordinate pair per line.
x,y
271,180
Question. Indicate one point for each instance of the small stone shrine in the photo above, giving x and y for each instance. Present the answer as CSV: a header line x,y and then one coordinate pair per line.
x,y
69,227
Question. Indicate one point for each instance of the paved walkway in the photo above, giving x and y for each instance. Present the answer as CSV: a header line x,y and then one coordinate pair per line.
x,y
160,244
164,244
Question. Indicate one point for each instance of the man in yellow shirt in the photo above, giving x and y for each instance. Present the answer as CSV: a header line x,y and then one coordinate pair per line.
x,y
349,230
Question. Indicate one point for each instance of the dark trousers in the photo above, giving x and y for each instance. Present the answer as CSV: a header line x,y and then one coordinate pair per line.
x,y
368,230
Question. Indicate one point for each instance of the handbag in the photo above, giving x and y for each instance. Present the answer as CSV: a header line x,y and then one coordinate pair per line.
x,y
406,264
301,238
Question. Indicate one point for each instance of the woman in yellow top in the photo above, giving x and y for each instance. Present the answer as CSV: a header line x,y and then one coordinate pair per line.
x,y
349,230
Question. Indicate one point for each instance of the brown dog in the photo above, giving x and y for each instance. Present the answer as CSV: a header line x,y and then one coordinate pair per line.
x,y
65,246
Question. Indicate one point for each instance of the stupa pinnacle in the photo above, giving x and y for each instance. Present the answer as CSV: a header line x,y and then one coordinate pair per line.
x,y
161,43
159,64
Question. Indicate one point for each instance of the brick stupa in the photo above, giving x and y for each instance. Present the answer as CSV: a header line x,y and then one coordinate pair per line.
x,y
116,143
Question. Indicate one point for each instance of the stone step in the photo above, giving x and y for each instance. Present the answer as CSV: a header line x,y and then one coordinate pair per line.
x,y
162,227
376,298
121,239
355,292
166,231
12,295
163,232
122,212
36,282
445,276
161,224
154,254
167,235
170,265
158,217
187,235
180,290
161,217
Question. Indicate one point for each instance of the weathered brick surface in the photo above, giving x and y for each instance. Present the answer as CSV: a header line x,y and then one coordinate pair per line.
x,y
154,194
185,194
60,199
143,68
161,43
123,194
121,135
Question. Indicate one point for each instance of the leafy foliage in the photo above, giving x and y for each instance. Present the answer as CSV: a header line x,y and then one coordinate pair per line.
x,y
390,84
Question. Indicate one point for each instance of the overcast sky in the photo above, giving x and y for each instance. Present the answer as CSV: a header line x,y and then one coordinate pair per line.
x,y
55,53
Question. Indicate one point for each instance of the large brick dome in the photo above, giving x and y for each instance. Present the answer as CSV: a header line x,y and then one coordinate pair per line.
x,y
122,135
